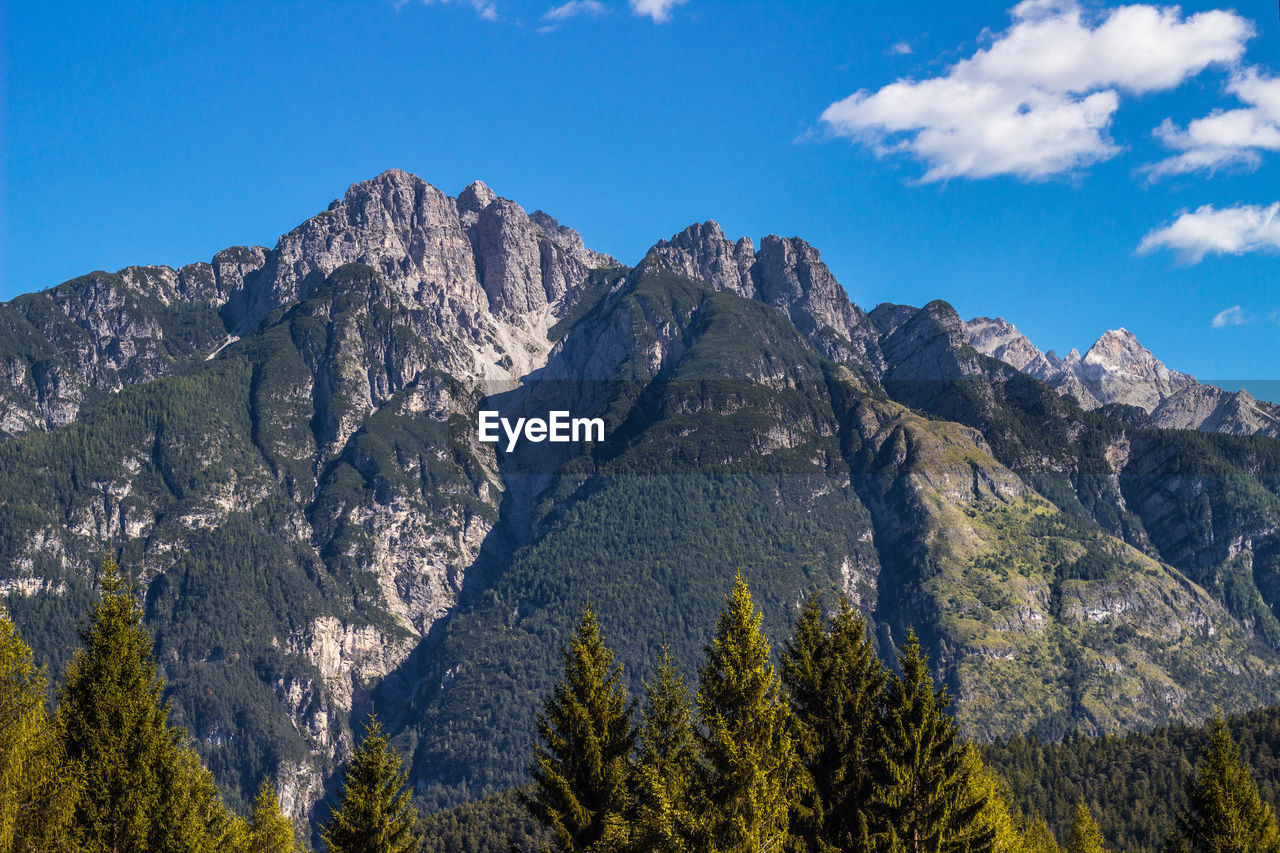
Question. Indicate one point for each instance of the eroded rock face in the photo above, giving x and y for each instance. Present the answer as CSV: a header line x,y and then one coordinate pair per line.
x,y
1002,340
787,274
100,332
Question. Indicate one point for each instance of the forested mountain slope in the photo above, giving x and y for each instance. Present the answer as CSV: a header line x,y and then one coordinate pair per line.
x,y
282,446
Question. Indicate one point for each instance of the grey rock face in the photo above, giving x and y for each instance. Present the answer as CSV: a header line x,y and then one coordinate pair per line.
x,y
787,274
1002,340
98,332
484,279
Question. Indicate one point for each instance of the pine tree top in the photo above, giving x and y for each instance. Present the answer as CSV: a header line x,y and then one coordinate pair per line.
x,y
375,814
1084,836
1225,813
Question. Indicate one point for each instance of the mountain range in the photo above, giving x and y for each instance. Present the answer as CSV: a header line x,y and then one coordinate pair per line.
x,y
281,445
1120,374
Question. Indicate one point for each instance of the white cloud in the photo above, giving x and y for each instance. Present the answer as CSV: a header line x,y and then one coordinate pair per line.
x,y
902,48
1226,137
1230,231
575,9
1233,316
659,10
1039,100
486,9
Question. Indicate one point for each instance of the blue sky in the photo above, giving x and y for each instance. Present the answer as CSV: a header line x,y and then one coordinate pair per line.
x,y
1011,160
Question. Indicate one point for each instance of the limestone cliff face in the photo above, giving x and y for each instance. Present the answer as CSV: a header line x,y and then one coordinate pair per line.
x,y
787,274
99,332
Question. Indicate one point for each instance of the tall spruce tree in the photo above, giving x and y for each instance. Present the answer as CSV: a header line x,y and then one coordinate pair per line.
x,y
1083,836
925,801
374,814
269,830
38,787
1224,812
144,791
582,764
835,683
667,758
751,773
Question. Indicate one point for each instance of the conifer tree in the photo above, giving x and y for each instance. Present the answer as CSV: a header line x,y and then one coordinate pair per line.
x,y
994,818
269,830
835,683
193,817
38,788
374,814
1084,835
751,773
582,765
924,796
1037,838
667,759
143,789
1225,813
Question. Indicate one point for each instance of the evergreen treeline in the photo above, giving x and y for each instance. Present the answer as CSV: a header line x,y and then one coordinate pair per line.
x,y
106,772
1135,783
829,752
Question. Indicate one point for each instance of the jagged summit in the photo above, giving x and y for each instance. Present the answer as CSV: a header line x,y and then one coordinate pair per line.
x,y
1118,369
785,273
476,197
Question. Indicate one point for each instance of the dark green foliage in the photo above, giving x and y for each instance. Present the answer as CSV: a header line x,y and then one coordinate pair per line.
x,y
581,766
922,788
38,786
1224,812
269,831
374,814
497,824
1083,836
666,765
1133,783
835,683
144,790
751,774
648,552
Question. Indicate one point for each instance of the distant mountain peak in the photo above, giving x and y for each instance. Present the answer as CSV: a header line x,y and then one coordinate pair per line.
x,y
1119,369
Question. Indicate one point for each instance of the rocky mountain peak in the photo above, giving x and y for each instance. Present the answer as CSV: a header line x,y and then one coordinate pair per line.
x,y
476,197
1117,353
785,273
1118,369
702,252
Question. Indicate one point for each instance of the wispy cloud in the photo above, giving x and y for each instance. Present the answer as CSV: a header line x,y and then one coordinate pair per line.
x,y
1226,138
1208,230
486,9
658,10
902,48
576,9
1040,99
1233,316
